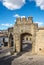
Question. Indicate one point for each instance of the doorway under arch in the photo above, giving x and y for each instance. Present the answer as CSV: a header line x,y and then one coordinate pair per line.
x,y
26,42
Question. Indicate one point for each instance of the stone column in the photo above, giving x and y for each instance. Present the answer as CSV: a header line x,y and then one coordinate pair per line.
x,y
33,48
17,43
33,45
17,46
8,42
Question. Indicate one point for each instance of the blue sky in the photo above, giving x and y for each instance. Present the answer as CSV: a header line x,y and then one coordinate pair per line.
x,y
11,9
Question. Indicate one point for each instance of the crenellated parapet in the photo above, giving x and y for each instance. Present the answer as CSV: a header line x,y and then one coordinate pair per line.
x,y
30,19
23,20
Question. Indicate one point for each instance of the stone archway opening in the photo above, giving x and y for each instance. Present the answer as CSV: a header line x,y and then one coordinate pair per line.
x,y
26,42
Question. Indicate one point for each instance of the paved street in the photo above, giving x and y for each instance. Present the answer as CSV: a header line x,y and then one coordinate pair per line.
x,y
22,59
5,51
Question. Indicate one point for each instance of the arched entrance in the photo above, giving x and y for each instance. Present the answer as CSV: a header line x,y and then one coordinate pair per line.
x,y
11,40
26,42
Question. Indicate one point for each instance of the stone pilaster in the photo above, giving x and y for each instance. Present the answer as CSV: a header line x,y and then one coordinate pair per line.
x,y
17,42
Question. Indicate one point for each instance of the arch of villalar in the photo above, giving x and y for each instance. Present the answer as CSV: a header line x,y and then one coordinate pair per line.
x,y
26,36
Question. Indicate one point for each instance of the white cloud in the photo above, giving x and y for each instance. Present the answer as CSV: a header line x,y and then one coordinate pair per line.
x,y
13,4
4,26
22,16
39,3
40,23
7,25
17,15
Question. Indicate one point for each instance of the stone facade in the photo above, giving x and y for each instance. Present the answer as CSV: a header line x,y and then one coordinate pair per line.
x,y
27,36
10,36
39,47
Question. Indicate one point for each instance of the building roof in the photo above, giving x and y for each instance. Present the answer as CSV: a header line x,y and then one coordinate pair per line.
x,y
3,33
41,28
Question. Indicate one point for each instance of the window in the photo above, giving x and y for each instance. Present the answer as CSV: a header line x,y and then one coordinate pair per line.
x,y
27,38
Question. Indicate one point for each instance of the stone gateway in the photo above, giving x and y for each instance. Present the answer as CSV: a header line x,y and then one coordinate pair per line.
x,y
26,36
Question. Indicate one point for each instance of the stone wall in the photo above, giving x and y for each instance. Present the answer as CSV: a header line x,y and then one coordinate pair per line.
x,y
39,48
22,26
27,26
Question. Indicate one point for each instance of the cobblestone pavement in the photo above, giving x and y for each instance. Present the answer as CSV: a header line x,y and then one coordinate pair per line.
x,y
27,59
22,59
